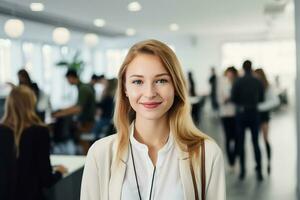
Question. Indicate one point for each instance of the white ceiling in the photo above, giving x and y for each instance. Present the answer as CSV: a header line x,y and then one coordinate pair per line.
x,y
195,17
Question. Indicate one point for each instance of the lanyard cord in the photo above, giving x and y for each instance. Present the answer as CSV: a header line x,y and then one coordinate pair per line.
x,y
136,179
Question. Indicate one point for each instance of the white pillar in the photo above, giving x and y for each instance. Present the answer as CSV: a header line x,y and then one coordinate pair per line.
x,y
297,27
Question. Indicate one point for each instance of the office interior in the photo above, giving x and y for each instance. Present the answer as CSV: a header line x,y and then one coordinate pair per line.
x,y
37,35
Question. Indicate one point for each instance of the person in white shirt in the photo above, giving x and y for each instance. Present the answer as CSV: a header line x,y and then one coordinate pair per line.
x,y
157,153
227,113
271,101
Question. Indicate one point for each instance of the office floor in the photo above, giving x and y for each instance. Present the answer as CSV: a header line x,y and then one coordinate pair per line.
x,y
281,184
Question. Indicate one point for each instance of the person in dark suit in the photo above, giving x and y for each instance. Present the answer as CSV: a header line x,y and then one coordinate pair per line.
x,y
24,149
247,92
213,81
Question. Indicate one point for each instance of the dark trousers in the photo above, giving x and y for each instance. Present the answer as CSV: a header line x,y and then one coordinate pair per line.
x,y
85,128
230,130
248,119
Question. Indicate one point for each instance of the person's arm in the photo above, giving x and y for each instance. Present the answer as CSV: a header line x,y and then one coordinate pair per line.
x,y
90,186
215,185
76,109
271,101
46,176
73,110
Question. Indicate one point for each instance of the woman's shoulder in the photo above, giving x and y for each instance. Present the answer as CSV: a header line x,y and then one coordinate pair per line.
x,y
104,146
4,128
41,129
5,132
212,150
37,127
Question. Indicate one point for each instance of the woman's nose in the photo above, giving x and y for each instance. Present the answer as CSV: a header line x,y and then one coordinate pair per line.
x,y
150,91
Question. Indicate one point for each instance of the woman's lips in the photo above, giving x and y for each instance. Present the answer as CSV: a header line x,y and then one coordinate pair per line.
x,y
151,105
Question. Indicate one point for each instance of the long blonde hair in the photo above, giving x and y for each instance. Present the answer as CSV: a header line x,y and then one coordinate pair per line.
x,y
20,111
186,134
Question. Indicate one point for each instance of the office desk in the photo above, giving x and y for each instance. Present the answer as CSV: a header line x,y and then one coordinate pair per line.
x,y
69,186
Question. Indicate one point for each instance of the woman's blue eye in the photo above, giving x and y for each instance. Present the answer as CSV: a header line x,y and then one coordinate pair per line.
x,y
137,82
162,81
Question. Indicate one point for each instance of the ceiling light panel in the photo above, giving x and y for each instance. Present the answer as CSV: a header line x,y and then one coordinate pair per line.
x,y
134,6
174,27
130,32
37,7
99,22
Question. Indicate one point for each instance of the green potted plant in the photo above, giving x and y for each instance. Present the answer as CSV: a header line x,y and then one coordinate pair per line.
x,y
76,63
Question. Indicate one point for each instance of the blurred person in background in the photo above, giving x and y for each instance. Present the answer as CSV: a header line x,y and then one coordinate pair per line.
x,y
213,80
84,108
227,113
25,149
42,101
105,108
192,89
270,102
98,84
24,79
247,92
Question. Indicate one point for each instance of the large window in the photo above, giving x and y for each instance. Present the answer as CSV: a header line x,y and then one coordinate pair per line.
x,y
61,93
114,59
40,61
5,65
32,55
99,65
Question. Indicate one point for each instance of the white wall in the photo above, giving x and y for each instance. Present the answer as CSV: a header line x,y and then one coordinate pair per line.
x,y
297,23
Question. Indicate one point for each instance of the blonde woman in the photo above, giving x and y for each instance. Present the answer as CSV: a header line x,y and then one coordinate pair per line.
x,y
24,149
157,153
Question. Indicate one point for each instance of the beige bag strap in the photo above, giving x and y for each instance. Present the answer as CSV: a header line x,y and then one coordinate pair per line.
x,y
203,178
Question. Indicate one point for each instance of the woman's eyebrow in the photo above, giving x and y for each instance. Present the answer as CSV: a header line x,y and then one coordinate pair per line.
x,y
163,74
141,76
136,75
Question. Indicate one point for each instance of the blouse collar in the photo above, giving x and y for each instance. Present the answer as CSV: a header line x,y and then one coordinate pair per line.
x,y
144,148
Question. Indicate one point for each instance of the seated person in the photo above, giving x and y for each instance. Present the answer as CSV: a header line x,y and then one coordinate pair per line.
x,y
25,149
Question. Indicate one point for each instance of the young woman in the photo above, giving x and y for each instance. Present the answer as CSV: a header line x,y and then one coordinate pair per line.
x,y
270,102
24,149
227,113
157,152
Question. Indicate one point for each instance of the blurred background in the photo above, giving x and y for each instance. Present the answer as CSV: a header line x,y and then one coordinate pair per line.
x,y
48,38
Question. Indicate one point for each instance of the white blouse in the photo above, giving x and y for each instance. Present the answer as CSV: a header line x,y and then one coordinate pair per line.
x,y
227,108
167,182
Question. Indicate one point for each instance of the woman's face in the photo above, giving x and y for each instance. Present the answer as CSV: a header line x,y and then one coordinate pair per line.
x,y
22,79
149,87
230,75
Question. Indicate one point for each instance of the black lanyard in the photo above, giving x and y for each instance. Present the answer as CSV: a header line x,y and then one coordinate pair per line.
x,y
136,179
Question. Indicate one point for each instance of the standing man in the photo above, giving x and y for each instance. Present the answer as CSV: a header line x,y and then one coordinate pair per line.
x,y
247,92
84,108
213,90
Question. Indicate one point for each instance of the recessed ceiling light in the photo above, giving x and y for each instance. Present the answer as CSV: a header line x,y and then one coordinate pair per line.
x,y
134,6
174,27
37,7
99,22
130,32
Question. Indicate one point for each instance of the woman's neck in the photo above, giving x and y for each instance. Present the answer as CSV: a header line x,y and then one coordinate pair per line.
x,y
153,133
